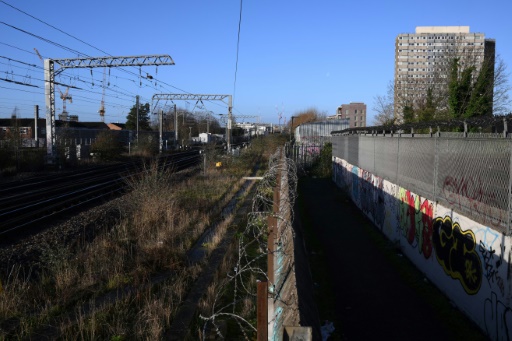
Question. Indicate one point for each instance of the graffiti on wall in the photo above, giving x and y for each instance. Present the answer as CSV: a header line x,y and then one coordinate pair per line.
x,y
355,184
367,195
456,251
491,266
338,171
468,192
380,209
498,318
415,217
391,208
493,261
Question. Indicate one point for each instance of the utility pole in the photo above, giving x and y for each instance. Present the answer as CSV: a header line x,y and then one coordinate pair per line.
x,y
176,126
36,118
160,128
137,111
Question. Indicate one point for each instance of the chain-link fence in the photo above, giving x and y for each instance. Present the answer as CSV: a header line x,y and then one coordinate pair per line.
x,y
318,132
471,175
304,154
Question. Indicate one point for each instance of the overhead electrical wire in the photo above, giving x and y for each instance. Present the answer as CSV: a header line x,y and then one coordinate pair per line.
x,y
98,49
17,48
43,39
237,50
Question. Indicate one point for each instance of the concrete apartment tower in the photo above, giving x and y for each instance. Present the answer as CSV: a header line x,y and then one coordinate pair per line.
x,y
355,113
423,59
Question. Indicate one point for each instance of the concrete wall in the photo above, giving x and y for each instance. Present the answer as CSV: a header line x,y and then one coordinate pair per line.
x,y
468,261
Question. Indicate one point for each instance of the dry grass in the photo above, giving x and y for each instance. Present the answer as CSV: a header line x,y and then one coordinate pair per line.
x,y
165,218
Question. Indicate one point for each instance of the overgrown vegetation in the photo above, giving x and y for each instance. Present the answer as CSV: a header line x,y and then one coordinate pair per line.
x,y
322,167
130,280
107,146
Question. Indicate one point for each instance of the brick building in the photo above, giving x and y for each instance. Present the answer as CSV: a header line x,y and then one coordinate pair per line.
x,y
354,113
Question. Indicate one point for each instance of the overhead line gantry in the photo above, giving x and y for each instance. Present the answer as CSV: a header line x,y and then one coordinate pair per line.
x,y
50,72
197,97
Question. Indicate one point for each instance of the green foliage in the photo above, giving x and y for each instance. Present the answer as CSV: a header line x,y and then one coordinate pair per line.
x,y
408,114
144,120
322,168
468,98
107,145
480,102
427,112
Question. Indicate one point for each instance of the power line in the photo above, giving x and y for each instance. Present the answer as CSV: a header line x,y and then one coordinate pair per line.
x,y
237,49
98,49
41,38
19,61
17,48
161,83
55,28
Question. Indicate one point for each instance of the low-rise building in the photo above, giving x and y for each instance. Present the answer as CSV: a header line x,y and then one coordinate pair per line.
x,y
354,113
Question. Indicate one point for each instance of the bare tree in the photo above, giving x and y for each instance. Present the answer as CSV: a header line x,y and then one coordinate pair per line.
x,y
384,106
501,104
305,116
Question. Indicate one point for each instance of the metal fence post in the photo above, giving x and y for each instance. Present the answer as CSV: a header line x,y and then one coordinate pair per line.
x,y
509,190
436,166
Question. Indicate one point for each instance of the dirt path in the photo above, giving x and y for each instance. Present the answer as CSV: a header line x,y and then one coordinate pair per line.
x,y
375,293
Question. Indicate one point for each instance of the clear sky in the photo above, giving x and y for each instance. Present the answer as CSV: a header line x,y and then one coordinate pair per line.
x,y
293,55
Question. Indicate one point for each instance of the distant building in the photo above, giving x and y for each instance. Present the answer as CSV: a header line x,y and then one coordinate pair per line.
x,y
422,60
354,113
24,129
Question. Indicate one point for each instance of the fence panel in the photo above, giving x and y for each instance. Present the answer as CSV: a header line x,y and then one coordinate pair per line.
x,y
474,178
352,149
386,158
367,153
416,165
471,176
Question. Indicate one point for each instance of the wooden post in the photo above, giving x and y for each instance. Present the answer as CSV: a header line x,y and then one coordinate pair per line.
x,y
262,311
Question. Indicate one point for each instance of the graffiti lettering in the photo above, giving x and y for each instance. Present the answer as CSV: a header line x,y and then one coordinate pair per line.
x,y
456,252
498,318
469,193
425,223
491,267
416,221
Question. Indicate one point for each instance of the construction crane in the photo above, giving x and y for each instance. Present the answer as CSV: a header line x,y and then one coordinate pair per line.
x,y
39,55
102,105
63,96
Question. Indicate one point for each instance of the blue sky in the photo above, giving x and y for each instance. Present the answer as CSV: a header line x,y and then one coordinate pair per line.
x,y
293,55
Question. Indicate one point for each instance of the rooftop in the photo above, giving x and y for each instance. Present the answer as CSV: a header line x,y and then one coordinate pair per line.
x,y
442,29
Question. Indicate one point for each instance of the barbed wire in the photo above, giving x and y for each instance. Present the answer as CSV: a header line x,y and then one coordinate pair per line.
x,y
254,246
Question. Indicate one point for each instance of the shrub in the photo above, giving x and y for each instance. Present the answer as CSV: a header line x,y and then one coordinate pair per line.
x,y
107,145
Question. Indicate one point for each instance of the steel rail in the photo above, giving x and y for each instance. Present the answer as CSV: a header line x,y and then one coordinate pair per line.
x,y
30,206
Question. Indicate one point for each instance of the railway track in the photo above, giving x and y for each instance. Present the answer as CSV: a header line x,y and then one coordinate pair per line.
x,y
26,202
